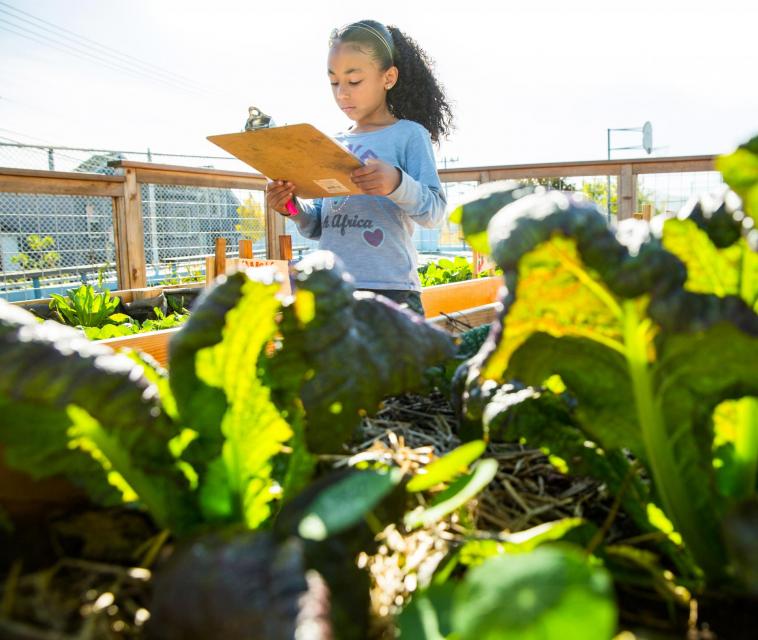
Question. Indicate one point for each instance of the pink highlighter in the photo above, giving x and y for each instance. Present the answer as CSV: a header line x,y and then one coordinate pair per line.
x,y
291,207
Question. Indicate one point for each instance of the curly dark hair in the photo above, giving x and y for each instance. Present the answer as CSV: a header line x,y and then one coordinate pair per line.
x,y
417,95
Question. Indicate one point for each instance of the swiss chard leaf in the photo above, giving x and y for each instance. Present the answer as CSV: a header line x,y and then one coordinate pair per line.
x,y
740,171
475,214
598,308
221,359
691,378
354,350
104,403
731,270
200,404
44,450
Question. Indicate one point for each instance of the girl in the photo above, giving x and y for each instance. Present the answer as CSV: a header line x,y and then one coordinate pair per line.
x,y
382,81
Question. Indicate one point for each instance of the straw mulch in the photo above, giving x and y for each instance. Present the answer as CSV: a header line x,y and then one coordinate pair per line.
x,y
410,431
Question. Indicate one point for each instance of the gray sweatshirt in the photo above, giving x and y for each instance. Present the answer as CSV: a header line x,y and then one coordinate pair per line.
x,y
372,234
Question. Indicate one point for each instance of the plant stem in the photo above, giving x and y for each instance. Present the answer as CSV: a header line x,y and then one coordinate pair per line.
x,y
156,544
601,533
746,447
668,481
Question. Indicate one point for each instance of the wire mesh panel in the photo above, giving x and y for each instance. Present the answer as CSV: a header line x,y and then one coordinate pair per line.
x,y
181,225
448,238
51,243
669,192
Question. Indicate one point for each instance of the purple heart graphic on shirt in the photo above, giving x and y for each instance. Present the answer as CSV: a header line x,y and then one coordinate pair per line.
x,y
374,238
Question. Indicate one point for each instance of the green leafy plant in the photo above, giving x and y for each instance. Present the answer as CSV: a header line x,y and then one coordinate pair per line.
x,y
222,437
85,307
551,592
615,342
445,271
740,171
163,321
128,326
111,331
193,274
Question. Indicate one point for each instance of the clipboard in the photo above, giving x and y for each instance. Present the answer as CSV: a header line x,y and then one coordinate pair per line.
x,y
317,165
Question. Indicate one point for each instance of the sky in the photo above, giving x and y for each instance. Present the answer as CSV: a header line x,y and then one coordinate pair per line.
x,y
529,81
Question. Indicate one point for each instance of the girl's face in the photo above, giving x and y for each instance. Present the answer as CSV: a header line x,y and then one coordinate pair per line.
x,y
359,86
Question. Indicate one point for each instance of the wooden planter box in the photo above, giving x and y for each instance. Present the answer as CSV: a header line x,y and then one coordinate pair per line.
x,y
454,306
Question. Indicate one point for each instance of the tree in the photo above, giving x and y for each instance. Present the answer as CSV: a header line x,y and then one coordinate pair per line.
x,y
39,254
558,184
252,220
597,192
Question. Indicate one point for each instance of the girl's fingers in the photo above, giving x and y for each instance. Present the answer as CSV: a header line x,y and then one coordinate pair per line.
x,y
364,171
279,192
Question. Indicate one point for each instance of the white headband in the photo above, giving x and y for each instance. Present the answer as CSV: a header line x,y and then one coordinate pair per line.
x,y
370,29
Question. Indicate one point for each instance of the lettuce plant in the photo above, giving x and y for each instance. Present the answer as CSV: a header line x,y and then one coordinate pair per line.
x,y
86,307
221,437
626,341
445,270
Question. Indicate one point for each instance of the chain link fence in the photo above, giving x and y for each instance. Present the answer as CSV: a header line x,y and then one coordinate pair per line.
x,y
50,243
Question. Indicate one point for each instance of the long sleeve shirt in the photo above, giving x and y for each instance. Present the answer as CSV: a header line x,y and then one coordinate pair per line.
x,y
372,234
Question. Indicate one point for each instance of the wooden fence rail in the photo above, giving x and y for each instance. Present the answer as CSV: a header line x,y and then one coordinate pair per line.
x,y
124,190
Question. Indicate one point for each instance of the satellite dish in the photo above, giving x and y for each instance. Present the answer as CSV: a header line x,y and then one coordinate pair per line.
x,y
647,137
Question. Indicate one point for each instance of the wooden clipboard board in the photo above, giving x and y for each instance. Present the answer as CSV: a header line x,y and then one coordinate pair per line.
x,y
318,166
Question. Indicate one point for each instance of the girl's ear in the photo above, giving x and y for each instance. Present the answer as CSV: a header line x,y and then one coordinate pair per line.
x,y
390,77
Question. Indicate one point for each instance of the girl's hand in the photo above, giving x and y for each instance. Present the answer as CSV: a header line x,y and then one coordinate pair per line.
x,y
278,194
377,178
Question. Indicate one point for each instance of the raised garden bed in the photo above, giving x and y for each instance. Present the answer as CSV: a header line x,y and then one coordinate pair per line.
x,y
455,307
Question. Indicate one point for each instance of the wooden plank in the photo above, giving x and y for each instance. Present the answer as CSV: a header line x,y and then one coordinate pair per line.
x,y
460,321
210,270
121,251
176,168
154,343
674,165
246,249
282,267
285,247
681,164
125,295
627,192
193,179
129,236
447,298
274,228
59,183
219,258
